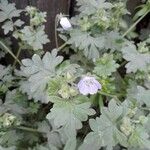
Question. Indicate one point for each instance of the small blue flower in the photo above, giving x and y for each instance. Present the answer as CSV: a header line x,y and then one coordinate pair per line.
x,y
88,85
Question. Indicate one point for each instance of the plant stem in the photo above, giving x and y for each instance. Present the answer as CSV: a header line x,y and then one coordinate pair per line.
x,y
110,95
100,102
147,109
56,37
107,94
131,28
9,51
18,54
29,129
62,46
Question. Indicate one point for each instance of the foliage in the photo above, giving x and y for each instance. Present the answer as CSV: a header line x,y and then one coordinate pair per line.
x,y
7,13
87,43
105,129
105,66
36,38
73,112
36,70
136,60
42,106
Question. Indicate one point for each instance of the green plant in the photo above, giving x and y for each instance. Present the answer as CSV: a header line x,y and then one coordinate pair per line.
x,y
98,98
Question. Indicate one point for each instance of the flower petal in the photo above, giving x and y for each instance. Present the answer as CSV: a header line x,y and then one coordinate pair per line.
x,y
88,85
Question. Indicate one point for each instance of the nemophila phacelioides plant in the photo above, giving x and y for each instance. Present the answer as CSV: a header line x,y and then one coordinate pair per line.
x,y
94,96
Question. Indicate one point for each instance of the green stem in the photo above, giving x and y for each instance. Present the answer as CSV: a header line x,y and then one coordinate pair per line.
x,y
131,28
110,95
9,51
18,54
62,46
56,37
107,94
29,129
100,102
146,109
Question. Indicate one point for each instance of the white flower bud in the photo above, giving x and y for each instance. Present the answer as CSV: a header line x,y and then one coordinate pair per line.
x,y
64,91
69,76
8,119
65,23
126,126
132,112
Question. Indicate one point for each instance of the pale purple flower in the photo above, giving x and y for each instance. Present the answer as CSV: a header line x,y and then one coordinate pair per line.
x,y
88,85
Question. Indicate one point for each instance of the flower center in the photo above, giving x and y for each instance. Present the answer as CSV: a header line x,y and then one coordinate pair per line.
x,y
88,82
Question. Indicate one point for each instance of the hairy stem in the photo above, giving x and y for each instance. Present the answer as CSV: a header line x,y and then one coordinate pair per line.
x,y
131,28
18,54
10,52
29,129
100,102
111,95
107,94
62,46
56,37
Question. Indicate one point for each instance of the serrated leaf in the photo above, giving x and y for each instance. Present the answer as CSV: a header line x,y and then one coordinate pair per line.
x,y
10,138
139,138
105,65
88,44
89,7
38,72
11,105
53,137
136,60
139,93
92,141
8,10
105,129
18,23
5,78
8,26
54,140
66,66
3,17
144,95
113,41
34,38
5,73
70,114
33,108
